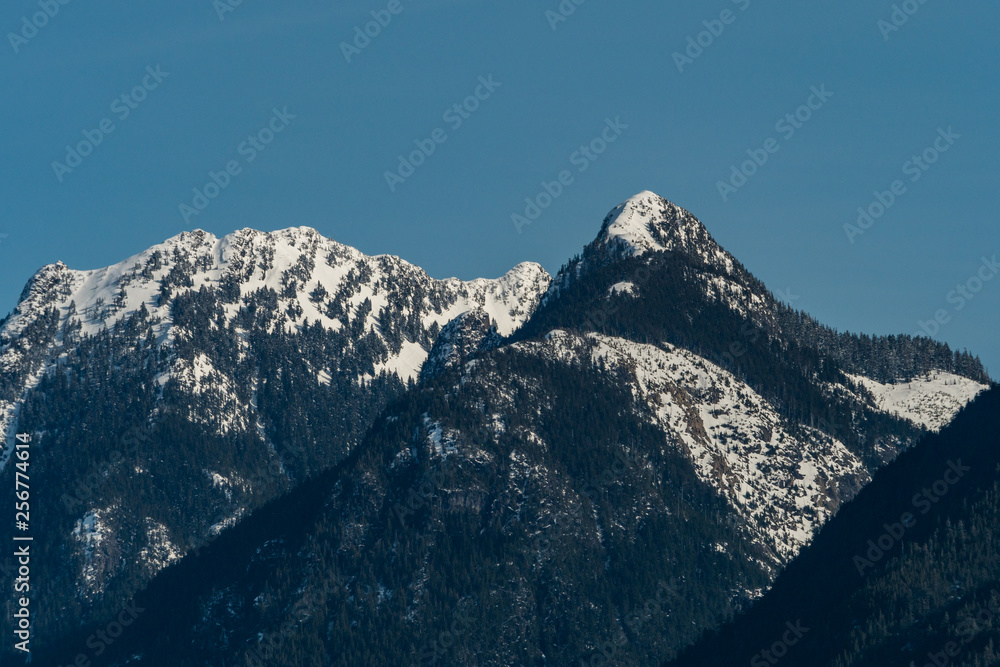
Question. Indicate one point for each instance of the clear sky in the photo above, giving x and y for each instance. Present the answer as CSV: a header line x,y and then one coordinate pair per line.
x,y
553,85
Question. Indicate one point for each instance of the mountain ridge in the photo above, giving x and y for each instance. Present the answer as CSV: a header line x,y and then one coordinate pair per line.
x,y
260,361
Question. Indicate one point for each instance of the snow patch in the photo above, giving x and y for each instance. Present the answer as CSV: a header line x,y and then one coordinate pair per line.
x,y
930,401
623,288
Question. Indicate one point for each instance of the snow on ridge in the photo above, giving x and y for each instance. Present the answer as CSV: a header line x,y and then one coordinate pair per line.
x,y
294,262
786,485
930,401
159,551
509,299
91,532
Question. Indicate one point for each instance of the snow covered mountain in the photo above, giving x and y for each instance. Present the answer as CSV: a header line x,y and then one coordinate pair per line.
x,y
707,369
231,367
653,386
316,282
930,401
784,479
659,424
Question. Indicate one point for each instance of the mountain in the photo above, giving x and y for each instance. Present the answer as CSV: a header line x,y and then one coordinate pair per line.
x,y
173,393
632,466
906,574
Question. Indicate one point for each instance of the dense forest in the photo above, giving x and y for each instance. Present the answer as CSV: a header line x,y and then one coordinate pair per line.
x,y
373,561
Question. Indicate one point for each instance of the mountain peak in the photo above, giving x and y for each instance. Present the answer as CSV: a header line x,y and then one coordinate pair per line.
x,y
647,222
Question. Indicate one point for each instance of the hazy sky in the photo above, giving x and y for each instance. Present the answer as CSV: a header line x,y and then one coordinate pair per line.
x,y
210,76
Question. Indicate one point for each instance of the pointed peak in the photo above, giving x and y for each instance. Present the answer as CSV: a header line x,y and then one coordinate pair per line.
x,y
646,222
51,272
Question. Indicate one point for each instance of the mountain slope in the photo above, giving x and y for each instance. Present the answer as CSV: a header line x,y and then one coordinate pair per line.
x,y
460,505
905,574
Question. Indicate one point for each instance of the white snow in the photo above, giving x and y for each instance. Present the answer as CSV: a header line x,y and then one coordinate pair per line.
x,y
217,528
159,551
739,444
442,442
625,287
90,533
930,401
407,363
9,414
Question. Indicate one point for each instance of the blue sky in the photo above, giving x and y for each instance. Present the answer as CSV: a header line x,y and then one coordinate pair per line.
x,y
553,86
